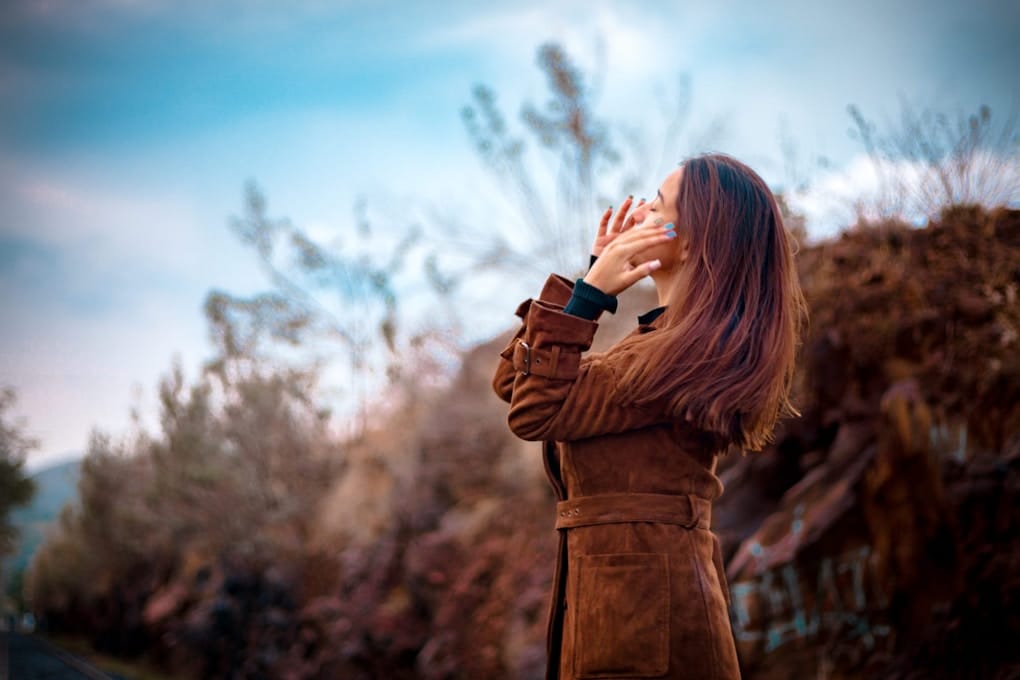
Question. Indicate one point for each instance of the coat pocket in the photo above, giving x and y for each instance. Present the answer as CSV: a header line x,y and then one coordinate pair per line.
x,y
621,623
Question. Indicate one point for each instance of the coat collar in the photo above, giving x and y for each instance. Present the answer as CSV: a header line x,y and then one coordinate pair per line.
x,y
651,315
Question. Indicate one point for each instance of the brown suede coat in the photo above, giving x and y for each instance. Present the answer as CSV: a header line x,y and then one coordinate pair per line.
x,y
639,588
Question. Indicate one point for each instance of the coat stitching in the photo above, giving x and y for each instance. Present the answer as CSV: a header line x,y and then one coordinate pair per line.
x,y
704,597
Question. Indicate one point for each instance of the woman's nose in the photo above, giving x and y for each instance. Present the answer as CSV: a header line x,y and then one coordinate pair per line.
x,y
640,214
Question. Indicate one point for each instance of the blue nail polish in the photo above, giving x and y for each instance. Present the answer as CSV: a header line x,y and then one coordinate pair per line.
x,y
669,227
671,234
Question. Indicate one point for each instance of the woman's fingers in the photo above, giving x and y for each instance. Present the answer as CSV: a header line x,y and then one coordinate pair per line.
x,y
622,214
605,222
632,242
640,271
630,221
612,276
620,231
619,265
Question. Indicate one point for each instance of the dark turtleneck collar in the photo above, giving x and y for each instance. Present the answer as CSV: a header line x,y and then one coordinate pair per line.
x,y
650,316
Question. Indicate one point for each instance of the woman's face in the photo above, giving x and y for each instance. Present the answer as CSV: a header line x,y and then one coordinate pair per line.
x,y
658,213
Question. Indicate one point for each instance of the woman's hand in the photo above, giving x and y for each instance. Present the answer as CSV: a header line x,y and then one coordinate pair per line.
x,y
620,265
622,223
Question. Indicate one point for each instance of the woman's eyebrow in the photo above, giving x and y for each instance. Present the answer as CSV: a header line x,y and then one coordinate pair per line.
x,y
659,193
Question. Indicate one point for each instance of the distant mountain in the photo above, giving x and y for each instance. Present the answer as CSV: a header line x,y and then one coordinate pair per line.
x,y
55,486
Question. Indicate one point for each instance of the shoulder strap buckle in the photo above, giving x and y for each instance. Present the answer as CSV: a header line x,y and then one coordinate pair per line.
x,y
526,358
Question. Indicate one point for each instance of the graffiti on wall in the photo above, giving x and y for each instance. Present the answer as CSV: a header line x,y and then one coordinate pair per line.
x,y
835,596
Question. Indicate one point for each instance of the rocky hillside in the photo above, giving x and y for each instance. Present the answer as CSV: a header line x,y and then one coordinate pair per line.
x,y
880,537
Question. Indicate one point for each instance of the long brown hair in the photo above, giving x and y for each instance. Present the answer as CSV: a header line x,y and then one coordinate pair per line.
x,y
723,357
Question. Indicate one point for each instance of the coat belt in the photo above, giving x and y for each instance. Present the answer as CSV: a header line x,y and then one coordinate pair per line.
x,y
688,510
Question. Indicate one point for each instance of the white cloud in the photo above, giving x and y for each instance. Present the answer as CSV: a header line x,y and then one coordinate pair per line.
x,y
503,30
828,202
110,227
609,37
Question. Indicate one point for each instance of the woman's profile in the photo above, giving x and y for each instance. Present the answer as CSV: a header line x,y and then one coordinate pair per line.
x,y
632,435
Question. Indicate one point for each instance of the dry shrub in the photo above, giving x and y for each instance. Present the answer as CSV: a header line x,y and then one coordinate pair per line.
x,y
227,489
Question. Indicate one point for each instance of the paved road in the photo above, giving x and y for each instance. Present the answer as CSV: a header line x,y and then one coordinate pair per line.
x,y
26,657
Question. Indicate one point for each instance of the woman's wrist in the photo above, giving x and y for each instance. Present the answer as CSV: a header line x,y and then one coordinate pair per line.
x,y
593,280
589,301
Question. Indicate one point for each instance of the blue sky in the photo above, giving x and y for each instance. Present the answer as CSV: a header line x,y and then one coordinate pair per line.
x,y
128,128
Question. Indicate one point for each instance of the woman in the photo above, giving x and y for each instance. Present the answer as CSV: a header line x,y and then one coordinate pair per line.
x,y
632,435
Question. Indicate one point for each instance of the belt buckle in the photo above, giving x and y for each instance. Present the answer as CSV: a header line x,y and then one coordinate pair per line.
x,y
527,357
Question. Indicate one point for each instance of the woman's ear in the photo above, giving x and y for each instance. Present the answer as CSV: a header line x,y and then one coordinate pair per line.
x,y
683,243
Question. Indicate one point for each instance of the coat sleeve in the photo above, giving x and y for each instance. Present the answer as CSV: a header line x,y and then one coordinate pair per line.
x,y
557,394
556,293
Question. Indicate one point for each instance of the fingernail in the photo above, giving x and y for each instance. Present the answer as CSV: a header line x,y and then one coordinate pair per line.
x,y
669,227
630,197
653,265
671,234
